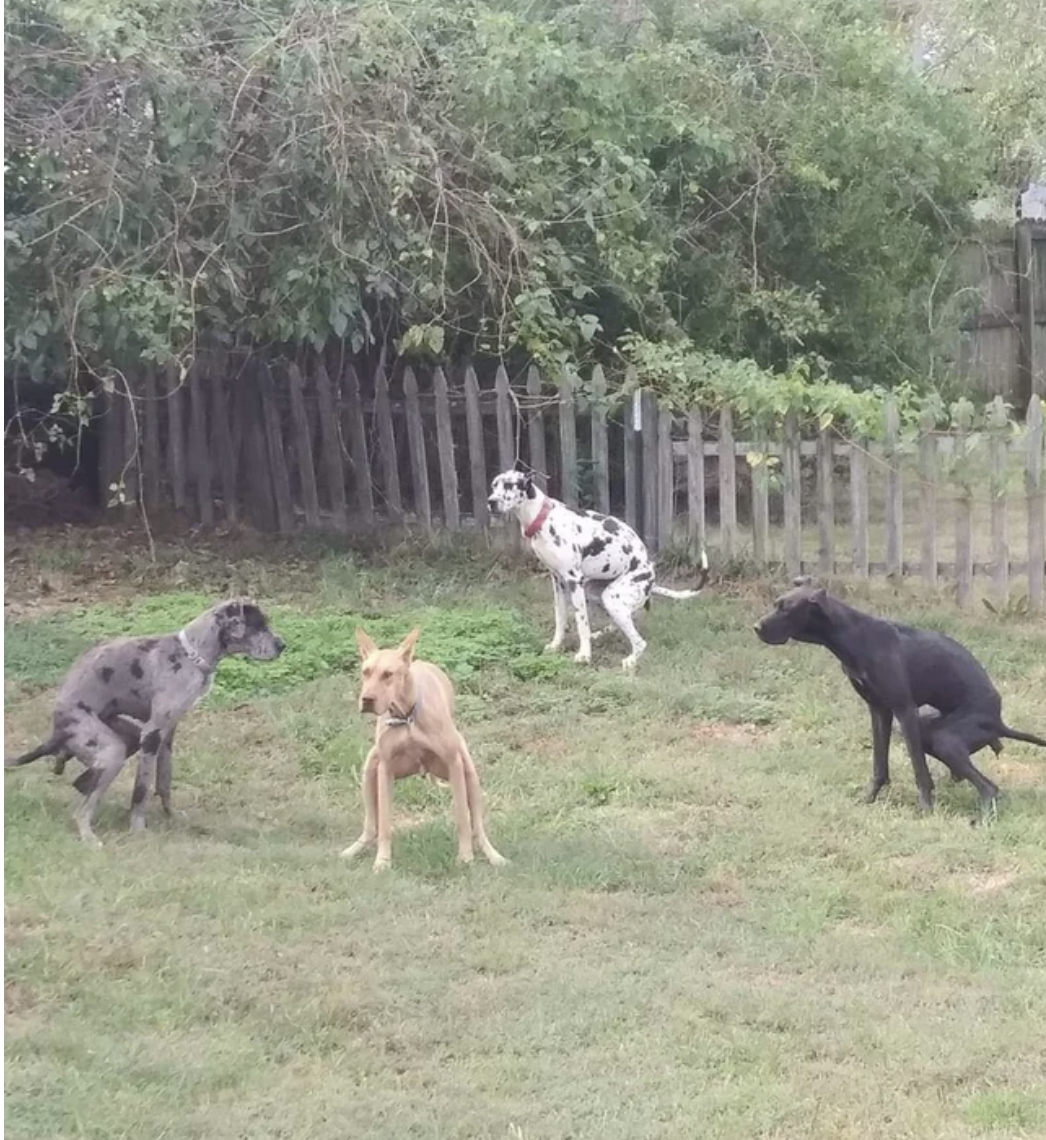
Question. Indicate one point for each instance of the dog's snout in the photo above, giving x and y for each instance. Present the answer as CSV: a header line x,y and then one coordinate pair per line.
x,y
281,645
366,704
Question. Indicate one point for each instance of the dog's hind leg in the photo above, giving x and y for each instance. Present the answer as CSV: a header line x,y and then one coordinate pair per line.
x,y
460,796
953,739
621,599
369,785
475,805
576,593
104,754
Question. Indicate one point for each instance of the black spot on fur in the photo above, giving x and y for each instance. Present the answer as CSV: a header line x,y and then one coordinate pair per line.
x,y
139,794
633,564
63,721
552,534
93,742
176,664
151,741
83,706
106,674
646,576
611,526
627,548
136,670
606,569
595,547
149,643
136,693
87,781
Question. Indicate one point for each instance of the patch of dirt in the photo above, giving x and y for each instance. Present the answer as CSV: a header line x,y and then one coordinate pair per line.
x,y
718,730
18,997
989,884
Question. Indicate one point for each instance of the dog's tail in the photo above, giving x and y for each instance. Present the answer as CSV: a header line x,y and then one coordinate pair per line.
x,y
1027,737
682,595
48,748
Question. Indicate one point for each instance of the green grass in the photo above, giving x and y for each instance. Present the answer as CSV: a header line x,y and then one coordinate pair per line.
x,y
701,931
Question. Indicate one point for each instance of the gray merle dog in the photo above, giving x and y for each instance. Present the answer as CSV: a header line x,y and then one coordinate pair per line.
x,y
131,693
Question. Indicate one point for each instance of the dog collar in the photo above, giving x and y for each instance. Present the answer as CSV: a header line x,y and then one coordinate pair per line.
x,y
404,721
193,654
539,520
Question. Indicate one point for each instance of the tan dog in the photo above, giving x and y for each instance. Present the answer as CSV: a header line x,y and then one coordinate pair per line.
x,y
415,735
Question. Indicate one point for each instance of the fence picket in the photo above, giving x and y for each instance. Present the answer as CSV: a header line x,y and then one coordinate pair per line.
x,y
859,506
355,429
666,484
648,443
536,427
303,446
333,466
760,475
600,446
568,441
477,458
390,475
894,491
963,513
825,502
176,435
281,485
727,485
928,498
200,448
790,478
1035,491
695,479
419,466
507,454
632,408
448,472
150,416
221,435
998,447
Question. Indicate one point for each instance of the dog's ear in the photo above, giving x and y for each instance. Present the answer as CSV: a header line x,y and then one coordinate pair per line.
x,y
519,465
529,485
406,646
366,645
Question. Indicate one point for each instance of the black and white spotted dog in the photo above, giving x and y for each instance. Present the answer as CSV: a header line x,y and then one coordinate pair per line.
x,y
591,556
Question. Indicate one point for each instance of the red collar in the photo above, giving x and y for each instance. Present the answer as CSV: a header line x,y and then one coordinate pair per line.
x,y
539,520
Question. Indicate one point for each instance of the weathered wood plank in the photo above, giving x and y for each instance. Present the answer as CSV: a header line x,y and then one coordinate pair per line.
x,y
649,437
200,448
963,511
221,434
281,484
303,446
633,416
356,431
666,484
695,479
477,455
825,502
859,506
600,447
448,472
1035,492
998,458
928,498
390,476
760,472
257,479
894,490
176,460
568,440
506,427
330,443
536,427
150,416
792,491
727,485
419,464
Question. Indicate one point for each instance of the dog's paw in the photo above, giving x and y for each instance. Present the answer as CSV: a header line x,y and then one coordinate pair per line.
x,y
553,647
629,663
465,858
381,865
495,859
583,658
91,840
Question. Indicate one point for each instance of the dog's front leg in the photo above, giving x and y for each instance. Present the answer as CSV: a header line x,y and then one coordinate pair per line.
x,y
909,722
383,805
153,736
882,726
163,772
584,631
462,816
559,596
369,784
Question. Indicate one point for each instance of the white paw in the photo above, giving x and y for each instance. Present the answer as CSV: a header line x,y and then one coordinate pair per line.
x,y
583,656
629,663
495,859
381,865
553,647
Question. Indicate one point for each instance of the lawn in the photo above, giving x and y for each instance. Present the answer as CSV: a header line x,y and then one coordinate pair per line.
x,y
701,933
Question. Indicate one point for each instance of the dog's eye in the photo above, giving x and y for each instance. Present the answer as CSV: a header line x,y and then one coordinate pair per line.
x,y
386,676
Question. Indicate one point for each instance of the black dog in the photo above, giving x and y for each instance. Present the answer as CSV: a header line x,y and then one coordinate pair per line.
x,y
895,670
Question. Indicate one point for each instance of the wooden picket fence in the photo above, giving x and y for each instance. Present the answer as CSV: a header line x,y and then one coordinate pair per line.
x,y
291,447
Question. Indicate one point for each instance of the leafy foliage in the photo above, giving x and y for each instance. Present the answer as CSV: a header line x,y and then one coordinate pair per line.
x,y
758,179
